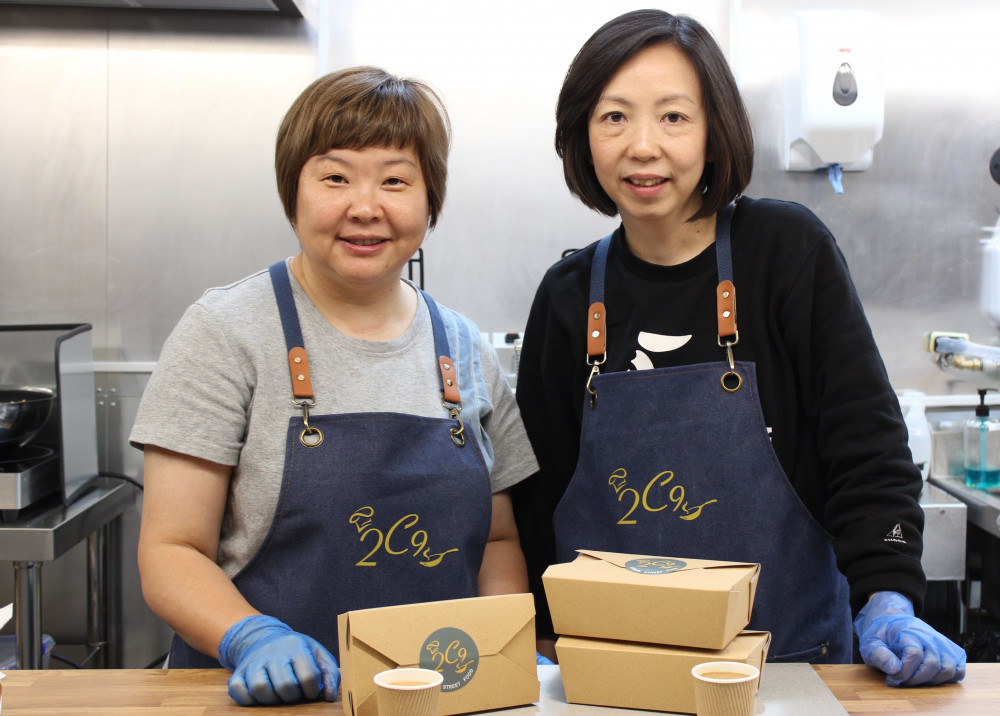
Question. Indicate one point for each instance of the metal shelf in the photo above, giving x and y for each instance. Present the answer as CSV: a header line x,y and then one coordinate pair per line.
x,y
47,529
44,531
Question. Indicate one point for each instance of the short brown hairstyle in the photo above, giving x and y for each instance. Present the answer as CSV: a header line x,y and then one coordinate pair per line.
x,y
364,107
730,139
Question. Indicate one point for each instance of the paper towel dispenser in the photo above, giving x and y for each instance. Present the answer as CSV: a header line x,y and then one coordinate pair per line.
x,y
834,92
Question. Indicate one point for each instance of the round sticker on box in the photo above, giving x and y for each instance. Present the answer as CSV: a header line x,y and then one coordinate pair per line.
x,y
452,652
654,565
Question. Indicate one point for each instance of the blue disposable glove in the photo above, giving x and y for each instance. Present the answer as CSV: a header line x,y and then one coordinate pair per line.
x,y
272,664
543,660
891,639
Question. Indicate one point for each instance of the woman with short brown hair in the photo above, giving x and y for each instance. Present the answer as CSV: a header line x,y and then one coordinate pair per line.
x,y
309,429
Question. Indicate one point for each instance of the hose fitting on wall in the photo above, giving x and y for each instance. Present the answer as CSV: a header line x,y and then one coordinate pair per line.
x,y
955,351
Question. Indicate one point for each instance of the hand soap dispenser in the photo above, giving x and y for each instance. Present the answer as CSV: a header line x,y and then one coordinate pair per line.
x,y
982,447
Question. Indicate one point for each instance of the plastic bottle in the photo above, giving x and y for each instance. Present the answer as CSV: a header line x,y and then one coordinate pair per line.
x,y
982,447
912,404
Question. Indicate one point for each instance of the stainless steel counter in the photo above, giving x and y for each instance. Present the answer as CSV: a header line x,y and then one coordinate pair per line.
x,y
43,532
945,518
983,507
785,690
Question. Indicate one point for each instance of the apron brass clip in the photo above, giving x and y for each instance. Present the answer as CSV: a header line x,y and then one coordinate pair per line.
x,y
455,413
594,370
311,436
731,380
451,399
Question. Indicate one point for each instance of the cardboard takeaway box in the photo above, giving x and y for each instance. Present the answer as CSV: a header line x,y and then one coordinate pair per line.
x,y
645,676
484,646
659,600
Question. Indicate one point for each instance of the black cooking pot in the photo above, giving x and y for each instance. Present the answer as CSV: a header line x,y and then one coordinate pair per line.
x,y
23,412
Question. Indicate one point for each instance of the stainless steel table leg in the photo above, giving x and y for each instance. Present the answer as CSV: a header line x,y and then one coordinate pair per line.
x,y
28,614
103,603
97,642
962,609
113,593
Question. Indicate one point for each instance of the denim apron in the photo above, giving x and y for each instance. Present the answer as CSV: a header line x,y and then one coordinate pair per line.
x,y
366,515
677,462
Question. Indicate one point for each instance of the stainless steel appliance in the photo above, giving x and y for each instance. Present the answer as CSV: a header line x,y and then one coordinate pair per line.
x,y
46,451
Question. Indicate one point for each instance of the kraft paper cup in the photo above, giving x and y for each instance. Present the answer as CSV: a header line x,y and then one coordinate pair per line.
x,y
408,692
731,695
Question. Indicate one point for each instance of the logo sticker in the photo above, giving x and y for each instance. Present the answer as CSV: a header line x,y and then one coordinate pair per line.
x,y
454,654
660,565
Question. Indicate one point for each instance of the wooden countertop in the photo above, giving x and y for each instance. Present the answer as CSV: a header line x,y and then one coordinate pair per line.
x,y
862,692
194,692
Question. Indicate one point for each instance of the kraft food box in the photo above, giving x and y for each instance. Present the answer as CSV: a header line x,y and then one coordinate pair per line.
x,y
484,647
645,676
659,600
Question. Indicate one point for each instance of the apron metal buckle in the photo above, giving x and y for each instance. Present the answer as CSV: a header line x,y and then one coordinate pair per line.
x,y
310,436
593,393
594,370
731,380
457,434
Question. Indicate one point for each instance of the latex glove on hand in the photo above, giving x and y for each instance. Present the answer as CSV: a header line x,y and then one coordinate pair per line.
x,y
272,664
910,652
543,660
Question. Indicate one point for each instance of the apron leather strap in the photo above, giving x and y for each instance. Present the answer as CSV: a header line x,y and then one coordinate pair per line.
x,y
298,360
452,399
725,298
597,321
726,291
446,366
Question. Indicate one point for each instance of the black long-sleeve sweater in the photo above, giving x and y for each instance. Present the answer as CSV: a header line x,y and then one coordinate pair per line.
x,y
835,421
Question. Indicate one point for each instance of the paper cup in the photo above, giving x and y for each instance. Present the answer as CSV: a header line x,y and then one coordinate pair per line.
x,y
725,688
408,692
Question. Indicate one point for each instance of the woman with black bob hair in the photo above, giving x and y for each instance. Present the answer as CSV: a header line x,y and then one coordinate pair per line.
x,y
729,133
703,383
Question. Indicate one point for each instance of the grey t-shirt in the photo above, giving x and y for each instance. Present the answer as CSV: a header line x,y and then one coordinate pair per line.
x,y
221,391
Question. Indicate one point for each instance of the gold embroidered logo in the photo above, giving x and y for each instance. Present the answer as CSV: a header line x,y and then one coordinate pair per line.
x,y
654,496
395,536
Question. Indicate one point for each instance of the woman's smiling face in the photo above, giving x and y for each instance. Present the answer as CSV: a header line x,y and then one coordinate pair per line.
x,y
648,138
361,214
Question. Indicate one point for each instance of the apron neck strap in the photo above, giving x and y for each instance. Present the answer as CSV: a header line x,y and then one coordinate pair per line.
x,y
451,400
298,360
725,294
446,366
597,322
